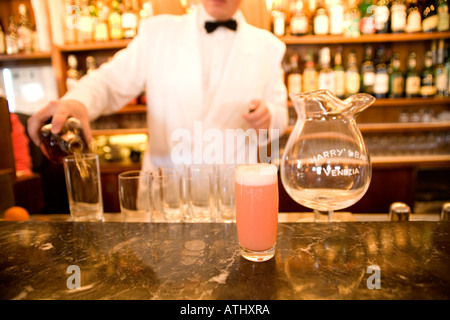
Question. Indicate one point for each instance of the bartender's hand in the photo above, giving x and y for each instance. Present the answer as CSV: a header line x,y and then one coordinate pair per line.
x,y
60,110
258,116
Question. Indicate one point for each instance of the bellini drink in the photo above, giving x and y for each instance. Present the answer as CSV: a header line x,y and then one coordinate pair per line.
x,y
256,194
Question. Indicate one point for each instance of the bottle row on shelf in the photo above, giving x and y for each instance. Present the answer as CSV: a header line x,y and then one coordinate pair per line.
x,y
21,36
379,73
354,17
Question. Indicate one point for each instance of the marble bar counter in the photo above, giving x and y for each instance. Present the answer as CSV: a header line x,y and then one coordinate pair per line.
x,y
201,261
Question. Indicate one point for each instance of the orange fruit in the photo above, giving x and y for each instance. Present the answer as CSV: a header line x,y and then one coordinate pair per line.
x,y
16,214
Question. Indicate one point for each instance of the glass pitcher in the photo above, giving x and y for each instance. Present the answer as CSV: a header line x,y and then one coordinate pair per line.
x,y
326,165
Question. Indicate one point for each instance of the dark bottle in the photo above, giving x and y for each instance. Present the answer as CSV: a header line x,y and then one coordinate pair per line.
x,y
396,79
381,84
412,83
430,17
70,140
367,71
428,84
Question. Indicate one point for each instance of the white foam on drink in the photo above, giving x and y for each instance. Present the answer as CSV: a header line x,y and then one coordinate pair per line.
x,y
260,174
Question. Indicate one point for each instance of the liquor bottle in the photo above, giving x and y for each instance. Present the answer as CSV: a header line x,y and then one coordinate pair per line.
x,y
382,16
101,22
396,79
115,21
321,20
352,77
413,16
326,74
91,65
430,17
352,20
310,81
71,21
70,140
294,78
278,23
11,38
336,11
440,71
299,20
86,30
367,71
367,25
339,74
412,83
2,40
443,16
24,32
129,20
73,74
398,16
381,83
427,84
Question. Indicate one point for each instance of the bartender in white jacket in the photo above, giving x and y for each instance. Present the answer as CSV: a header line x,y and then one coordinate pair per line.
x,y
196,82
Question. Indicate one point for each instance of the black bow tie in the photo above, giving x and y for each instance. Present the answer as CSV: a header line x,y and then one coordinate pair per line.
x,y
210,26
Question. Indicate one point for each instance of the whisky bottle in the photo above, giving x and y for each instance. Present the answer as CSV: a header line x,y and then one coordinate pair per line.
x,y
352,77
367,71
310,81
441,72
430,17
352,20
70,140
336,11
428,85
382,16
339,74
24,31
72,72
294,78
413,17
326,74
321,20
367,25
381,84
129,20
2,40
412,85
443,16
398,16
396,80
115,22
299,24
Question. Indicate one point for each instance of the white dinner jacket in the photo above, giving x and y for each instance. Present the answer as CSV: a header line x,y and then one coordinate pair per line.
x,y
164,59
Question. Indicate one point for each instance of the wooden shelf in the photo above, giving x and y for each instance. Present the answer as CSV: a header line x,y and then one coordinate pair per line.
x,y
139,108
410,161
365,38
25,56
110,132
406,102
397,127
109,45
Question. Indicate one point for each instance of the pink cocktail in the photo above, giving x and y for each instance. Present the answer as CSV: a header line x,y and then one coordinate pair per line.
x,y
256,196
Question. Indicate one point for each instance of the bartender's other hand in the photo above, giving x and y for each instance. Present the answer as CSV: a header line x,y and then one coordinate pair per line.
x,y
258,116
60,110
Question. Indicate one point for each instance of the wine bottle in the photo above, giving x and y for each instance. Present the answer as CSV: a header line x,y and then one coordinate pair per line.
x,y
428,84
352,77
440,71
381,84
367,25
396,79
339,74
412,83
367,71
443,16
